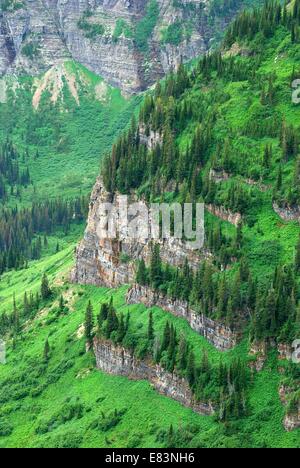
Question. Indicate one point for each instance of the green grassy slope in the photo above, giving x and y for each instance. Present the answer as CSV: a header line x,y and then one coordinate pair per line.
x,y
56,404
70,139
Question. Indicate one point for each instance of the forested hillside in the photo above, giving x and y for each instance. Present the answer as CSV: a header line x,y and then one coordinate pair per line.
x,y
227,132
223,130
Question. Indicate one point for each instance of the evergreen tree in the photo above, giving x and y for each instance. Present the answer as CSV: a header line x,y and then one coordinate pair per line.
x,y
46,292
46,353
150,327
141,276
297,257
88,324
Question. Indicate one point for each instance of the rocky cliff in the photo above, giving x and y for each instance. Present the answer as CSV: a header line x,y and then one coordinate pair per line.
x,y
287,213
131,43
292,418
217,334
112,262
120,361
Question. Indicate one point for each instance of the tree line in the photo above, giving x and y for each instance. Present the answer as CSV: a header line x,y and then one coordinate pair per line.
x,y
20,228
273,304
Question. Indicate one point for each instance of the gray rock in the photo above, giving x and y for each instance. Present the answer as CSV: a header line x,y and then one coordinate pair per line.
x,y
52,26
117,360
220,336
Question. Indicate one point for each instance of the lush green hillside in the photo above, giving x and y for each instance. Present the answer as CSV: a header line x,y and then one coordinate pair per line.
x,y
229,135
55,402
231,116
62,142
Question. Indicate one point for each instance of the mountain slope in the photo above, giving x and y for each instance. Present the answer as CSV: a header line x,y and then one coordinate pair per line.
x,y
129,43
224,131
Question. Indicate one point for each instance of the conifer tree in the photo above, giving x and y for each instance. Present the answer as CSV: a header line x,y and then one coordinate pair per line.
x,y
112,323
88,324
297,257
150,327
141,276
46,292
46,351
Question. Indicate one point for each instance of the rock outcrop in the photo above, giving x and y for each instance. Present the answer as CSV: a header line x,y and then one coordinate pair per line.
x,y
285,351
288,213
292,418
217,334
36,35
117,360
258,350
225,215
112,262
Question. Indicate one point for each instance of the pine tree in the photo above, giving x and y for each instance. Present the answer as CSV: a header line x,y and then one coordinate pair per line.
x,y
141,276
112,323
46,351
46,292
121,329
61,304
150,327
155,267
88,324
297,257
16,317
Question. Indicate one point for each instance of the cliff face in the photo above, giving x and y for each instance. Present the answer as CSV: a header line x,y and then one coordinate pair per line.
x,y
101,34
218,335
292,418
119,361
112,262
288,213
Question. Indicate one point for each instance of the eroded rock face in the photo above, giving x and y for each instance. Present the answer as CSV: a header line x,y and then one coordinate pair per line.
x,y
292,419
225,215
285,351
258,350
217,334
55,30
117,360
112,262
288,213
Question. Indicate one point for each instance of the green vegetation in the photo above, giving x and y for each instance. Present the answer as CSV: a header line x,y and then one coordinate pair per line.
x,y
173,34
65,402
31,50
224,387
11,5
230,115
146,25
91,29
229,135
122,28
62,144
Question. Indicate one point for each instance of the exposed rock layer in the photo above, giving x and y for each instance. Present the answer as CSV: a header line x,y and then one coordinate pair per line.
x,y
288,213
112,262
117,360
217,334
292,418
56,30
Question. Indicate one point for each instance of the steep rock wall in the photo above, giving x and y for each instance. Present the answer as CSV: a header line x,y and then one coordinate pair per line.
x,y
288,213
53,27
292,419
225,215
112,262
217,334
120,361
